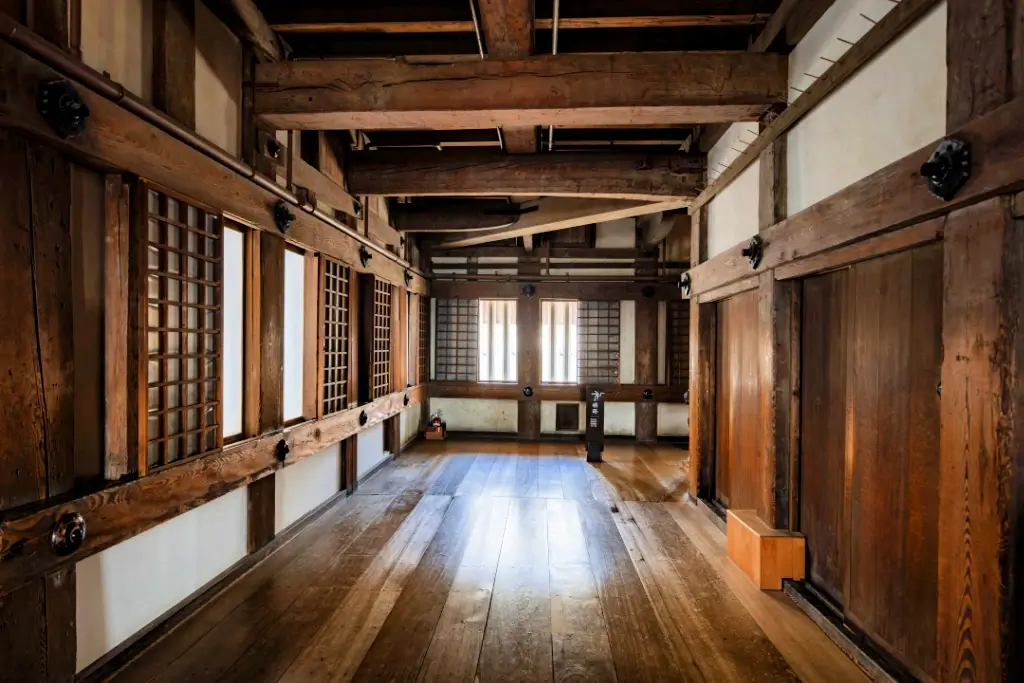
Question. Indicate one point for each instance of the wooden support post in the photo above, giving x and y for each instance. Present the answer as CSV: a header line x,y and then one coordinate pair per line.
x,y
981,485
529,360
349,453
646,419
312,340
261,508
174,59
271,392
117,460
355,297
399,360
703,327
253,327
778,386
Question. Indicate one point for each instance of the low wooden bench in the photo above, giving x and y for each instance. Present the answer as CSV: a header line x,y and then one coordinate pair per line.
x,y
764,554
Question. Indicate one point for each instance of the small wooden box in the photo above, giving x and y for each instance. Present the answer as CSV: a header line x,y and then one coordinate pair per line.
x,y
436,434
764,554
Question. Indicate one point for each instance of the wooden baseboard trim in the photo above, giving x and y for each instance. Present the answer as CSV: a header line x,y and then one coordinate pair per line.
x,y
459,435
856,645
161,627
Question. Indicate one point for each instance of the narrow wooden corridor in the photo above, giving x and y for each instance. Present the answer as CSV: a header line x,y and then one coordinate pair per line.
x,y
466,561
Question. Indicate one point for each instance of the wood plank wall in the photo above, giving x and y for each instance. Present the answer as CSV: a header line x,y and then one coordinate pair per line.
x,y
738,453
870,453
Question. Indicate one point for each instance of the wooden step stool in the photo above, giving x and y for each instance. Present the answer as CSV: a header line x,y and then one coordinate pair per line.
x,y
764,554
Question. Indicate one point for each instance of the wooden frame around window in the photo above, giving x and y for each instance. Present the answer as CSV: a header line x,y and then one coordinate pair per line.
x,y
178,246
334,330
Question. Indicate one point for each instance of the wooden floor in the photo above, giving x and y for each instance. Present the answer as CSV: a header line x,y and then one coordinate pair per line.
x,y
487,562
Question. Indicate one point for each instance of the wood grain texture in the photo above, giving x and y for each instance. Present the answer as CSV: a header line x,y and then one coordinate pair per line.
x,y
312,340
481,172
117,461
261,507
399,583
739,458
826,334
891,198
585,291
985,53
174,59
979,482
23,477
117,138
271,284
593,90
123,511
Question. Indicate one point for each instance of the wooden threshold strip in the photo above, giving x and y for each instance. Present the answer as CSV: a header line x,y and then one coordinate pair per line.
x,y
120,512
903,16
891,198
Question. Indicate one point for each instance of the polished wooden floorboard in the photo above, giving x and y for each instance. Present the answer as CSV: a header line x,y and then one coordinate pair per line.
x,y
489,562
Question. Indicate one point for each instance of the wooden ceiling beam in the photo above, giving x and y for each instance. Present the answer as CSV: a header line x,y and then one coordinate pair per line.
x,y
560,214
482,172
248,23
567,89
507,27
564,23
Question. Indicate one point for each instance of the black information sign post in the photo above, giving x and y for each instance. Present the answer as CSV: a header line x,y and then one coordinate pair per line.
x,y
595,424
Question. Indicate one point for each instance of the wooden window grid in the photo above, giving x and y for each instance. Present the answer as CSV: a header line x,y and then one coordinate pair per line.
x,y
381,370
457,350
182,327
678,346
335,336
598,339
424,350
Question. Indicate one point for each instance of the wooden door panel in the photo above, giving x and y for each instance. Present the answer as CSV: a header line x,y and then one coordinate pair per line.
x,y
823,428
738,453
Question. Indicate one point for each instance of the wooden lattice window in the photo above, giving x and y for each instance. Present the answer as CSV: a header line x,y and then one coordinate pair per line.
x,y
424,350
335,336
456,354
598,324
678,346
381,370
182,328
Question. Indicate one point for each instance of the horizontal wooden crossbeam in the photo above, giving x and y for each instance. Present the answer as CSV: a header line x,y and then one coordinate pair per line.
x,y
566,90
477,172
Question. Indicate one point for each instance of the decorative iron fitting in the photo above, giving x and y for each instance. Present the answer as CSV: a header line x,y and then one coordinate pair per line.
x,y
61,107
754,251
686,284
364,256
948,169
528,392
283,216
363,417
68,534
282,450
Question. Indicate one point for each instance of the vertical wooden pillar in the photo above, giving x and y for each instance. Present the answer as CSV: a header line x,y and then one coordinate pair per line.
x,y
778,327
702,373
37,436
355,296
261,509
271,332
349,448
174,59
528,353
118,460
312,338
253,326
981,486
646,346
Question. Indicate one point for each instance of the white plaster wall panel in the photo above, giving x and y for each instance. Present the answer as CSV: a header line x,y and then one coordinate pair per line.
x,y
234,310
673,419
448,259
616,234
547,418
732,215
294,281
478,415
123,589
117,37
736,139
627,342
305,485
620,419
218,82
893,106
369,449
409,424
588,272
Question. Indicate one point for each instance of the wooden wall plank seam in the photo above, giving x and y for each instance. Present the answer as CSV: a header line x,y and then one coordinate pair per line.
x,y
126,510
